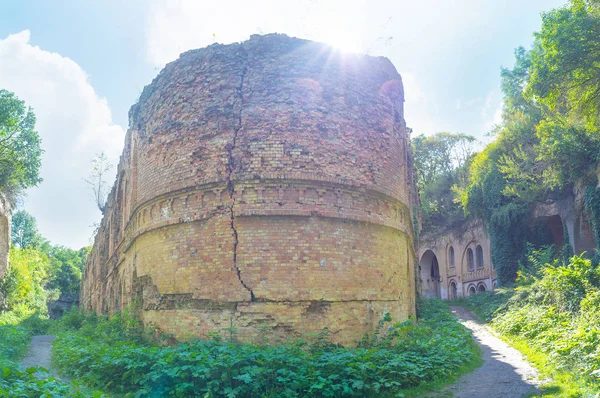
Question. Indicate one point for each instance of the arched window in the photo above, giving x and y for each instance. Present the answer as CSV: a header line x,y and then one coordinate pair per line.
x,y
451,256
481,287
453,290
470,259
472,290
479,255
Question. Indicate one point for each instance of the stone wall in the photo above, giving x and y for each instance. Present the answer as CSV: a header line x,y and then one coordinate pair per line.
x,y
463,260
262,184
565,220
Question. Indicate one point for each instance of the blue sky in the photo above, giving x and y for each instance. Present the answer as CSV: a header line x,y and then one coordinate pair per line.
x,y
82,63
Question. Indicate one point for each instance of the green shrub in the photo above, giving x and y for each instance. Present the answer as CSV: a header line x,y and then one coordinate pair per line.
x,y
13,341
555,309
111,354
17,382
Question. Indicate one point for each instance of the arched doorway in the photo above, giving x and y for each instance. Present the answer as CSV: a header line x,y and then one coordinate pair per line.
x,y
472,290
429,272
546,231
481,287
452,290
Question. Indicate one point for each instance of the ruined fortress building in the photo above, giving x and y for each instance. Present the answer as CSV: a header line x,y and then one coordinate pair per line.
x,y
262,185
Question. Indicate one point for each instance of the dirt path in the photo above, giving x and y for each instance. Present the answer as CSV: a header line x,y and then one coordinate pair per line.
x,y
39,354
504,373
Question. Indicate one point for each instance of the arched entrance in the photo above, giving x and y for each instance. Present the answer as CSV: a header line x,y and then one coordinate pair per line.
x,y
429,272
472,290
481,287
452,290
547,231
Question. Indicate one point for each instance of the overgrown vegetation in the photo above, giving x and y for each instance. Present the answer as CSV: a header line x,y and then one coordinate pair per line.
x,y
549,137
442,162
554,312
114,354
20,150
38,271
15,334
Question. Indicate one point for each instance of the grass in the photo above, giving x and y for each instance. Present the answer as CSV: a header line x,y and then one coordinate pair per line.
x,y
560,384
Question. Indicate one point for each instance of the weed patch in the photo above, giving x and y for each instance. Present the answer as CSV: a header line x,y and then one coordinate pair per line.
x,y
553,316
115,355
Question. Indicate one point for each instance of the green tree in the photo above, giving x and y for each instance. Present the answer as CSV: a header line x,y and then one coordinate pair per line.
x,y
442,162
20,150
24,231
550,131
440,154
66,267
505,176
565,81
23,285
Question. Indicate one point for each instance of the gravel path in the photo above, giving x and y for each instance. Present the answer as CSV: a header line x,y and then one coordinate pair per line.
x,y
39,354
504,373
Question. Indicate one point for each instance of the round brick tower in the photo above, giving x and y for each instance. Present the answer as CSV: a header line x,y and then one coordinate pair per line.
x,y
262,184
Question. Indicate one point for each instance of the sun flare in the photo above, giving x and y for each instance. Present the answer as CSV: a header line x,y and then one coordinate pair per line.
x,y
341,40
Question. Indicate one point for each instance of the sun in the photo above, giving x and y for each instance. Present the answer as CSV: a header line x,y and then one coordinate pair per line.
x,y
341,40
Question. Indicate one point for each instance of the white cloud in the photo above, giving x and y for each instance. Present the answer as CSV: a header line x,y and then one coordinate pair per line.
x,y
74,124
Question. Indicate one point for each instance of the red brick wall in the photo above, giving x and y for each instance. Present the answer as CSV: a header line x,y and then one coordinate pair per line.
x,y
262,183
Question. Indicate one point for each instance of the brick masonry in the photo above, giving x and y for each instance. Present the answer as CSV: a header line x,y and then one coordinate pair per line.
x,y
263,185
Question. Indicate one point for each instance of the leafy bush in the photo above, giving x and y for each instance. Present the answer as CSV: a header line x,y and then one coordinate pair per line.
x,y
16,382
13,341
111,354
555,309
23,284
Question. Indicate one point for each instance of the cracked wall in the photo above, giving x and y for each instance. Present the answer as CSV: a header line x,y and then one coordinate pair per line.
x,y
263,183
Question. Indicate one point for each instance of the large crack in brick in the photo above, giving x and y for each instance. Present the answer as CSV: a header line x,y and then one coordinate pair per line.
x,y
230,186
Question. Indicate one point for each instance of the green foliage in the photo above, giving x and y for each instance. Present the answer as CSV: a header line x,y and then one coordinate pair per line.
x,y
24,231
565,74
20,150
13,340
111,354
17,382
555,310
504,218
23,284
564,82
550,131
442,162
38,270
507,228
66,267
567,250
535,260
592,206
